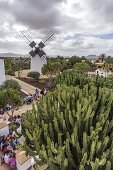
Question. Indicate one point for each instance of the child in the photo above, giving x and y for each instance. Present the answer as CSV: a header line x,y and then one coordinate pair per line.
x,y
2,159
6,157
12,162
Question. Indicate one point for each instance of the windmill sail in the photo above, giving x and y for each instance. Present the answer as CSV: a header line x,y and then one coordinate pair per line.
x,y
38,56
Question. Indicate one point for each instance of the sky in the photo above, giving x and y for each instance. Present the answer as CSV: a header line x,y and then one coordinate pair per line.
x,y
81,27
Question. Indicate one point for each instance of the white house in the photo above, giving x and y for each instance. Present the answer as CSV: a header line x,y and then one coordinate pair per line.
x,y
2,72
103,72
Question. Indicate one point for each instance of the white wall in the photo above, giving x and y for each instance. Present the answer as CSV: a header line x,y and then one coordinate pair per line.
x,y
103,73
24,166
36,64
1,120
2,72
4,131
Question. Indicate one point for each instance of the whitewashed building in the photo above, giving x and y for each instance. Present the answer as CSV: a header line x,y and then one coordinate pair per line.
x,y
103,72
2,72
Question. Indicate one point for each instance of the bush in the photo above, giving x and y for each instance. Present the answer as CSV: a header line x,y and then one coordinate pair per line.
x,y
10,72
11,84
9,96
34,75
72,129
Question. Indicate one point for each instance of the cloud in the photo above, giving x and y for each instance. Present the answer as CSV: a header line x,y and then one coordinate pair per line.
x,y
82,27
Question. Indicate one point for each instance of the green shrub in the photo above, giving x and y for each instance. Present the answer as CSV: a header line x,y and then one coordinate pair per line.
x,y
11,84
10,72
9,96
72,129
34,75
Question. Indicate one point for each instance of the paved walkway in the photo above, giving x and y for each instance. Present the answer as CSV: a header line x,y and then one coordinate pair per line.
x,y
26,87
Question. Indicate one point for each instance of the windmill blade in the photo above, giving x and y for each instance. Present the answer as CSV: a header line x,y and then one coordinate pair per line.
x,y
41,53
27,37
48,38
27,59
43,58
32,53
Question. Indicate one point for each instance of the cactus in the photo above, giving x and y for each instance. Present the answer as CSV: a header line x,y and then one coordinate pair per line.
x,y
71,128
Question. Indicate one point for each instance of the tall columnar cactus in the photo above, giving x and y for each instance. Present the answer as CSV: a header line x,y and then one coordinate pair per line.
x,y
72,129
74,78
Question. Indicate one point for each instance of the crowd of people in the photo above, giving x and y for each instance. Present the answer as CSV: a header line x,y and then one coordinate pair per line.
x,y
38,93
16,119
9,151
29,99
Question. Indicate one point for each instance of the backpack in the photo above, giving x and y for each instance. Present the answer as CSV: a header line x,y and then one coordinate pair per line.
x,y
13,164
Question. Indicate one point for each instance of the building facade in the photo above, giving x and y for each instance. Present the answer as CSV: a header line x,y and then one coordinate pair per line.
x,y
2,71
103,72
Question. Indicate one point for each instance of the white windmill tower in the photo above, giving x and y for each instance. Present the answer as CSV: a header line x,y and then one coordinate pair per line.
x,y
38,56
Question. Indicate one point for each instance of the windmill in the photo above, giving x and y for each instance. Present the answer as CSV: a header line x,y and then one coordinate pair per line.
x,y
37,54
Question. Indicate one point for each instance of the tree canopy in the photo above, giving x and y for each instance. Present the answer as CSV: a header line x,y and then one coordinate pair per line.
x,y
83,67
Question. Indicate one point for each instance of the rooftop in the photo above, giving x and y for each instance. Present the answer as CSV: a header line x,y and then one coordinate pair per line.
x,y
22,158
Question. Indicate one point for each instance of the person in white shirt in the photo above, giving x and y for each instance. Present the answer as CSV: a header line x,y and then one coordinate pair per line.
x,y
6,157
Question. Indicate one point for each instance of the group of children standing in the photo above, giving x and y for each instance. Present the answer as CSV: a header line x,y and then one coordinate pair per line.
x,y
7,145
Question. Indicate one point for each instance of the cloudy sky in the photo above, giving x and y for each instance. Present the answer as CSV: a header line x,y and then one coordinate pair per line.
x,y
81,27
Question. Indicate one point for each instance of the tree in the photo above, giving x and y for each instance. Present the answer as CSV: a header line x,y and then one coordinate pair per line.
x,y
102,57
8,64
83,67
51,69
109,60
72,61
72,128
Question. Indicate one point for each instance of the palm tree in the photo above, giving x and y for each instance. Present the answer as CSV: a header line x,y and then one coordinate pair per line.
x,y
102,57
